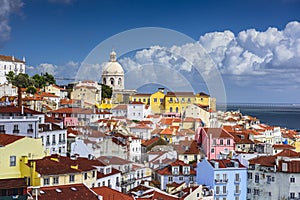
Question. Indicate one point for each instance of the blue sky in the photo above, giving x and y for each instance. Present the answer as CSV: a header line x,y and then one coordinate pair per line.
x,y
57,35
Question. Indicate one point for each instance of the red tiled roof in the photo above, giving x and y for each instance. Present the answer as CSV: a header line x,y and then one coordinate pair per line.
x,y
66,192
6,139
110,194
218,133
292,166
113,160
12,183
283,146
288,153
113,171
50,166
192,147
167,170
225,163
268,161
179,94
142,126
10,59
150,141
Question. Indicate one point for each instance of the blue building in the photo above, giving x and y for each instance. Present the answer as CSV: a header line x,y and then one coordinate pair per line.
x,y
227,177
176,172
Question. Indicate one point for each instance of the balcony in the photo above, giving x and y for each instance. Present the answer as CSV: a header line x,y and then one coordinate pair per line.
x,y
128,182
17,131
30,131
237,180
221,181
237,192
221,193
2,131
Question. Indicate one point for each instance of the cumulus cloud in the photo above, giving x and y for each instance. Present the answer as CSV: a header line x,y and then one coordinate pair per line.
x,y
64,73
7,8
270,56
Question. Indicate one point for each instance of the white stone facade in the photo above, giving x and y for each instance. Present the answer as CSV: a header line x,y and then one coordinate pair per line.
x,y
10,63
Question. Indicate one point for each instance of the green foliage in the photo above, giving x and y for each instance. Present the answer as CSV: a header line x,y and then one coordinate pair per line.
x,y
106,91
42,80
31,83
31,89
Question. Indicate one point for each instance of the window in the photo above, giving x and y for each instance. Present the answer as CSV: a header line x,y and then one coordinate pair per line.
x,y
256,191
55,180
85,176
292,195
217,189
46,181
171,109
177,109
155,100
273,179
249,175
224,177
214,142
71,178
93,173
108,183
175,170
180,178
237,198
292,179
171,99
249,190
48,140
212,150
228,142
119,81
224,189
256,178
103,183
170,179
53,139
2,128
221,142
12,161
112,81
237,177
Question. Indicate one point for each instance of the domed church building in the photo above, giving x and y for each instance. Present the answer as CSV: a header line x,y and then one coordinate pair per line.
x,y
113,76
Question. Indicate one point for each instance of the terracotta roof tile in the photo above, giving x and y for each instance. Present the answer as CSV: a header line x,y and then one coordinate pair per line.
x,y
12,183
66,192
6,139
110,194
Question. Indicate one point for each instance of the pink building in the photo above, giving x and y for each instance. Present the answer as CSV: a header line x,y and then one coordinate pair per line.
x,y
216,142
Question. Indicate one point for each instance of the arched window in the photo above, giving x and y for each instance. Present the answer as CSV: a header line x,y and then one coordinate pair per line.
x,y
171,109
176,109
104,81
119,81
112,81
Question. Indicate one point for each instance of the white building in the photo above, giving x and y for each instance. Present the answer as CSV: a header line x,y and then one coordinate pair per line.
x,y
8,90
138,111
54,138
142,131
109,177
274,177
10,63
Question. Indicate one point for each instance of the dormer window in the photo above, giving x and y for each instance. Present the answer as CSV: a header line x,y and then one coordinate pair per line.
x,y
175,170
186,170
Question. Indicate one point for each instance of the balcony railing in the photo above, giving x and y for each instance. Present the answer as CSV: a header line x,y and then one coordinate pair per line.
x,y
128,182
16,131
236,192
2,131
221,193
30,130
237,180
221,181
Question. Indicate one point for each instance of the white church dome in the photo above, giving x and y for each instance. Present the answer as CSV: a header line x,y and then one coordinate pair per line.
x,y
113,67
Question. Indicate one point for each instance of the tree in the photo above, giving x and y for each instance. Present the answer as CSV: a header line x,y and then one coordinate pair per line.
x,y
31,90
106,91
10,76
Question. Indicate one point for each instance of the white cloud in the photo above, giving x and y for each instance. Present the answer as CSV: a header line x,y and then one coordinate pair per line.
x,y
7,8
248,56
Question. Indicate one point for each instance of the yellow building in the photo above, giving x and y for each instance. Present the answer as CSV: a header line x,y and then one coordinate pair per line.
x,y
174,102
59,170
12,149
140,97
157,101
